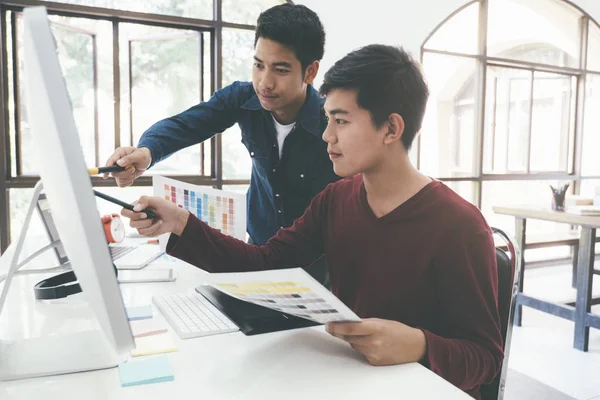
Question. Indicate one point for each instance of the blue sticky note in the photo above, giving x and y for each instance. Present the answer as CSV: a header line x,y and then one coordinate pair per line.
x,y
140,312
145,371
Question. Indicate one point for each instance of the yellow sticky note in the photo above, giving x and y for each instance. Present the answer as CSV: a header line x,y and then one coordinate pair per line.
x,y
154,344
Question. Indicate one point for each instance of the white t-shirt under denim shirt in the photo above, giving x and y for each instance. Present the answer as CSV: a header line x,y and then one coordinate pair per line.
x,y
282,132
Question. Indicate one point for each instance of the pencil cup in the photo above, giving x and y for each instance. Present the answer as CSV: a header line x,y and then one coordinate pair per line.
x,y
558,197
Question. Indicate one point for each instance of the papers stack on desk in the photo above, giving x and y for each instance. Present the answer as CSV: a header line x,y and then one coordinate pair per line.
x,y
150,336
292,291
584,210
578,200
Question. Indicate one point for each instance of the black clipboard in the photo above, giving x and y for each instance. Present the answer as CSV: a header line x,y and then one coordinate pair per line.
x,y
252,319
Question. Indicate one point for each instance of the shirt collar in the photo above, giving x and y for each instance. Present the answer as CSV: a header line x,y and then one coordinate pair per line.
x,y
310,113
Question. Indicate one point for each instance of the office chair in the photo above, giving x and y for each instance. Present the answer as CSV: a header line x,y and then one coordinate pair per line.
x,y
508,258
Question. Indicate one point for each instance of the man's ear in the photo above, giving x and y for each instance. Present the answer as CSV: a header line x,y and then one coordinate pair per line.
x,y
395,128
311,72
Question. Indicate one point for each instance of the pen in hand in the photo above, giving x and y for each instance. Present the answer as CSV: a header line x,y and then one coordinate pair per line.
x,y
109,169
128,206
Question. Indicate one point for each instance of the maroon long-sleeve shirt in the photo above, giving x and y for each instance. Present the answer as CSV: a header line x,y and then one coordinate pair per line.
x,y
430,264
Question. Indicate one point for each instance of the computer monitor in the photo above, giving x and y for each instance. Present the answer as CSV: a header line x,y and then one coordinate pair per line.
x,y
68,188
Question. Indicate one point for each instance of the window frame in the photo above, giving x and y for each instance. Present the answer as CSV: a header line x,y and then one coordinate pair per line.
x,y
212,27
483,62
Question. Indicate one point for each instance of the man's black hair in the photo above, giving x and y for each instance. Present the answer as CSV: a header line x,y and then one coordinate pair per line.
x,y
387,80
296,27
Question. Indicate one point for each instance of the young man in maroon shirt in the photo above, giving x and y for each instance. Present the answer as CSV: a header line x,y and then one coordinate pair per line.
x,y
406,253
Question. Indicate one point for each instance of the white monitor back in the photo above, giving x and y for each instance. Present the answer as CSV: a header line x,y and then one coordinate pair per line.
x,y
66,181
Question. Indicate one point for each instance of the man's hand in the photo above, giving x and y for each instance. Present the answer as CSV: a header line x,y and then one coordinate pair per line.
x,y
169,217
125,156
382,342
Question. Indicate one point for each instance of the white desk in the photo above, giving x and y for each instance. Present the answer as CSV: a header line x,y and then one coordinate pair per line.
x,y
296,364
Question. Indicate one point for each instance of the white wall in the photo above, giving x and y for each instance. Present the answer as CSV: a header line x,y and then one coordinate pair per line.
x,y
354,23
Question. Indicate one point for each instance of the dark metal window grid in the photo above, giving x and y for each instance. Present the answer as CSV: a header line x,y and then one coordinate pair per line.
x,y
12,178
483,62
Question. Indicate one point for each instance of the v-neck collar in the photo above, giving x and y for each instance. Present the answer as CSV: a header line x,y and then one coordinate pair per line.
x,y
397,212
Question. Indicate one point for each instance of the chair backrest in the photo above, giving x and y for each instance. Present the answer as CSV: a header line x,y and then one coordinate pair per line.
x,y
508,259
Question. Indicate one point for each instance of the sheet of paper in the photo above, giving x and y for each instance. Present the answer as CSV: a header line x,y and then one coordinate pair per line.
x,y
220,209
135,313
143,371
154,344
147,327
292,291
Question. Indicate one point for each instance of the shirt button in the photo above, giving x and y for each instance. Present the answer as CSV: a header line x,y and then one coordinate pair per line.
x,y
277,195
274,169
251,154
301,175
279,211
281,227
274,145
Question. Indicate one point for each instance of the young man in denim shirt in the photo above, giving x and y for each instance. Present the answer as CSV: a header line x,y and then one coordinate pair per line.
x,y
281,118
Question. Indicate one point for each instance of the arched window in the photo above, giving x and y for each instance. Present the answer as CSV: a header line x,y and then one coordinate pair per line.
x,y
513,94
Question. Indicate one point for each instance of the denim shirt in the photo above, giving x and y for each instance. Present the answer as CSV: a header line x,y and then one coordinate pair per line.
x,y
280,190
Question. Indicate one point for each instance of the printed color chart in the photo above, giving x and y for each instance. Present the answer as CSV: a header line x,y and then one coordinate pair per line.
x,y
225,211
292,291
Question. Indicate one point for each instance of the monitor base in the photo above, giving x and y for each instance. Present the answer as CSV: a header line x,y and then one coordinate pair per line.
x,y
55,355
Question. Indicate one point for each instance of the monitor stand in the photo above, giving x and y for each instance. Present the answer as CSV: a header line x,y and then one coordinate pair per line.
x,y
54,354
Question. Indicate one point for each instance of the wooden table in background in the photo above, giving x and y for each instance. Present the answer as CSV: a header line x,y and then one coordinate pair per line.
x,y
579,312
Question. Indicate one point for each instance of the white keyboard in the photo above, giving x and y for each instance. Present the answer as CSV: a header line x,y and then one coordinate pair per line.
x,y
139,257
191,315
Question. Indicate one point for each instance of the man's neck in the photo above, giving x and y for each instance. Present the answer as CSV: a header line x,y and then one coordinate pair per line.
x,y
290,113
392,184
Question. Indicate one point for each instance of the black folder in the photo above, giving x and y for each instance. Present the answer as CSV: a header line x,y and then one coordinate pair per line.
x,y
252,319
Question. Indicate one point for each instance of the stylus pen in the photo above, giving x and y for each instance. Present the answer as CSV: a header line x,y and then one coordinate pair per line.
x,y
106,170
118,202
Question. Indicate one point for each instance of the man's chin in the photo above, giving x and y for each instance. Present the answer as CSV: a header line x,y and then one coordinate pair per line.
x,y
269,106
343,172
